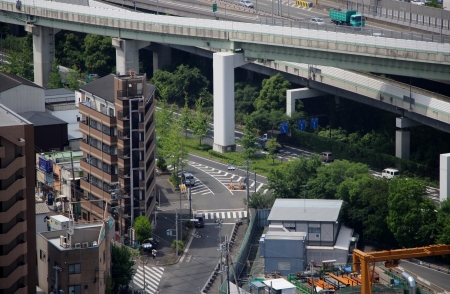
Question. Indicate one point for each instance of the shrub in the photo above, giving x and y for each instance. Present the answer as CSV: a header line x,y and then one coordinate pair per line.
x,y
180,246
161,164
175,180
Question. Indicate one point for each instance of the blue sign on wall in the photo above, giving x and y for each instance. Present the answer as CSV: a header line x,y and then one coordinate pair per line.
x,y
314,123
302,125
45,165
284,128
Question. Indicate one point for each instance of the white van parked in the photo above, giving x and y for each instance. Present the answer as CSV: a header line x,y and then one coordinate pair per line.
x,y
390,173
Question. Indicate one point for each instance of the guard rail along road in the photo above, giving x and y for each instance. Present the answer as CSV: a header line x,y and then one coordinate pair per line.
x,y
367,53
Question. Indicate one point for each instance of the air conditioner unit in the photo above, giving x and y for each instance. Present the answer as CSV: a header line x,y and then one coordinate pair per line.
x,y
317,235
64,245
85,245
77,245
61,241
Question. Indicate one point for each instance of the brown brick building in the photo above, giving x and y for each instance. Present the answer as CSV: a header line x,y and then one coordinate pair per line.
x,y
118,126
17,204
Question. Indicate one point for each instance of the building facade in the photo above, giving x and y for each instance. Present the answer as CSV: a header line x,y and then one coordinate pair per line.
x,y
17,204
118,143
75,263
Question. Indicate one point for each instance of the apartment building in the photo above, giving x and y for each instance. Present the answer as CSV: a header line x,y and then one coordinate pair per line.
x,y
17,204
75,261
118,127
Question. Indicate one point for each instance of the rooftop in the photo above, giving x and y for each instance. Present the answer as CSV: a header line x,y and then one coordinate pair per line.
x,y
305,210
278,235
59,91
8,81
10,118
102,88
41,208
42,118
279,284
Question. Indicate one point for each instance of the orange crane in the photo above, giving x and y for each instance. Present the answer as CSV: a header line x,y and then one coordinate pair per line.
x,y
362,260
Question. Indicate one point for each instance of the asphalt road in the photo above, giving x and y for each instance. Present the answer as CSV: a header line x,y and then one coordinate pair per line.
x,y
440,281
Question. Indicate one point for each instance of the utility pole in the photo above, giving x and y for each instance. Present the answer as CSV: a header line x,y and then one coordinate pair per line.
x,y
190,203
228,269
176,232
221,248
255,183
57,269
247,180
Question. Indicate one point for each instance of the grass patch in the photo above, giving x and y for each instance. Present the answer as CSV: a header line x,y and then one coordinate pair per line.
x,y
171,260
259,163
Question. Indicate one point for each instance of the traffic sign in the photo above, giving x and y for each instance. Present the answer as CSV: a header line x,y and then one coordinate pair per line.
x,y
214,7
284,128
314,123
302,125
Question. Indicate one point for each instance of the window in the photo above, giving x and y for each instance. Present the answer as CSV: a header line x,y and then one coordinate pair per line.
x,y
111,112
75,289
42,255
312,230
74,269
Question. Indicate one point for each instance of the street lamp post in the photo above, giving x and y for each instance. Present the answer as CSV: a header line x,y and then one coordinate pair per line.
x,y
442,20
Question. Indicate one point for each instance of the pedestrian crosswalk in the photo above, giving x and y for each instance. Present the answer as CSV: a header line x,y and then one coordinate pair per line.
x,y
151,276
224,214
199,188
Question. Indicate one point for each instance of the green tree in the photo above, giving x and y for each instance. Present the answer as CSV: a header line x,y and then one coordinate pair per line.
x,y
443,223
20,62
72,82
328,178
55,77
289,180
245,95
70,49
433,3
185,117
272,147
99,54
336,134
264,119
122,270
259,200
109,285
411,218
142,227
199,123
273,94
249,137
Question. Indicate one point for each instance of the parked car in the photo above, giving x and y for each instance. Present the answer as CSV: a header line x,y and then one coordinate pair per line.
x,y
390,173
149,244
188,179
327,156
246,3
317,21
199,220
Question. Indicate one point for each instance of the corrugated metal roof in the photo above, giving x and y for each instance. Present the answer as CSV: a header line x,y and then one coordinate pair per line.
x,y
8,81
305,210
102,88
58,91
41,208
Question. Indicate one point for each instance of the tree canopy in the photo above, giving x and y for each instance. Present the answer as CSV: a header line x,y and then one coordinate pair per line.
x,y
249,137
273,94
122,267
99,54
142,228
55,77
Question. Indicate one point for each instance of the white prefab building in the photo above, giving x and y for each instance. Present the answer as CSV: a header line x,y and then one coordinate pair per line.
x,y
325,237
21,95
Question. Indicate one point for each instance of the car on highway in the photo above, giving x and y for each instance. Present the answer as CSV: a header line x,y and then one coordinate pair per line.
x,y
246,3
199,220
188,179
149,244
327,156
317,21
390,173
417,2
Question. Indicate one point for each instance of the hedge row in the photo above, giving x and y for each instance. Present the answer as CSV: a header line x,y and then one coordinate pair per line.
x,y
375,160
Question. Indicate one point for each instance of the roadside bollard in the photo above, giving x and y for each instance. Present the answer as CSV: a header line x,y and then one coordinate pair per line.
x,y
439,269
429,266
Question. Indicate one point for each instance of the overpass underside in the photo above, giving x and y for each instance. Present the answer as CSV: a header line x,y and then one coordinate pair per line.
x,y
263,42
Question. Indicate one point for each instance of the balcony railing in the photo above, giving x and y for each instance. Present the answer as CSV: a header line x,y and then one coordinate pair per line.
x,y
124,174
121,116
123,135
102,110
124,154
127,94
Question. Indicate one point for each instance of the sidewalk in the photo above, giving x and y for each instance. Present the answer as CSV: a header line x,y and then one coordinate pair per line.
x,y
165,219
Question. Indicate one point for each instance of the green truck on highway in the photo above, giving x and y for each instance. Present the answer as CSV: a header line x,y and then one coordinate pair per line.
x,y
348,17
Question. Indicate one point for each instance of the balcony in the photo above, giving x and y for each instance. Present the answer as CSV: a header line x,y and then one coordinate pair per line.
x,y
20,271
91,188
2,152
13,211
121,116
102,115
123,135
12,190
127,94
19,228
18,250
15,165
124,174
124,154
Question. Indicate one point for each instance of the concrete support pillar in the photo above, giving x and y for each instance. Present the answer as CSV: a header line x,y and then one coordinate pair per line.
x,y
224,64
292,95
43,52
402,144
127,54
162,56
402,136
444,176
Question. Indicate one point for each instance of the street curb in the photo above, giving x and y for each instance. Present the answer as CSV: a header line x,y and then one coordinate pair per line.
x,y
184,252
